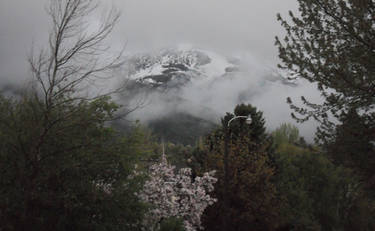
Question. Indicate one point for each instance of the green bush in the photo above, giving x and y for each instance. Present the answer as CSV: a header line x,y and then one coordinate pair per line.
x,y
172,224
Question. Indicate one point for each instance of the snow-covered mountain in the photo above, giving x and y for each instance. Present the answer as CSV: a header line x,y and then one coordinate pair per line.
x,y
177,67
200,85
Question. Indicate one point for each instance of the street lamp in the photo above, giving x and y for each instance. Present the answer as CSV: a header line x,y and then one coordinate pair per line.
x,y
248,119
226,166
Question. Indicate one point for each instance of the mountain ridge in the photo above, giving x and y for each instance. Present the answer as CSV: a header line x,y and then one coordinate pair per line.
x,y
194,85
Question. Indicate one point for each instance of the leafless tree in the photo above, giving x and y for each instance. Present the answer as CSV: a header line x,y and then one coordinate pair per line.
x,y
74,58
72,61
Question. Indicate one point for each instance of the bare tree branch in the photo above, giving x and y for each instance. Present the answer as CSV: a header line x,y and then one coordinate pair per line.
x,y
73,55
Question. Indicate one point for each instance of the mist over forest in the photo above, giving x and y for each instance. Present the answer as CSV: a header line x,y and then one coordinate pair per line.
x,y
147,28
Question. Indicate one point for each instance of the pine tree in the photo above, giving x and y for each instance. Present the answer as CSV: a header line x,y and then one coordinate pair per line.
x,y
245,192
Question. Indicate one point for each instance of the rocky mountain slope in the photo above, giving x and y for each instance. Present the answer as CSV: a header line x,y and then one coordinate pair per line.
x,y
193,84
176,67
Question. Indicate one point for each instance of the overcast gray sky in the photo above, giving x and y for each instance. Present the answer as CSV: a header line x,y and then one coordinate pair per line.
x,y
223,25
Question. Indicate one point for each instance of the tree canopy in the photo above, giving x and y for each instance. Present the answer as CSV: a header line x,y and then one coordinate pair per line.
x,y
332,43
62,167
245,191
65,169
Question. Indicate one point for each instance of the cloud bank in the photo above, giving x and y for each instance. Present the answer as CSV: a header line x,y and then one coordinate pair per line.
x,y
210,98
227,27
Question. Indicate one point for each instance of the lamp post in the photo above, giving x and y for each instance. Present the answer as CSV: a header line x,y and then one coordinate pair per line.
x,y
248,119
226,166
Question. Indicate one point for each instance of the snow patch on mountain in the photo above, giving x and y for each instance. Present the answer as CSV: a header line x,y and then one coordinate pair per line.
x,y
182,63
207,84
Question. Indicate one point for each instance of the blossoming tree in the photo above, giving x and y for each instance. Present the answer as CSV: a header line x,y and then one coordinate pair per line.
x,y
176,195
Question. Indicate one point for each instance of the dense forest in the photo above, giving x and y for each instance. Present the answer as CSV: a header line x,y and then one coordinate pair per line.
x,y
68,163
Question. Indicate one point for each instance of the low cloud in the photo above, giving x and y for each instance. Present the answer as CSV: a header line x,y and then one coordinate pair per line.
x,y
224,26
256,84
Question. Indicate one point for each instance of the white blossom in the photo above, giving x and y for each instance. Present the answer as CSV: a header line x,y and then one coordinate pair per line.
x,y
176,195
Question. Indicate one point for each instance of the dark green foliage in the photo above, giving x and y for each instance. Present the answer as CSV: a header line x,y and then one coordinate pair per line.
x,y
181,128
172,224
255,131
253,202
63,169
286,133
352,146
140,143
61,166
178,154
246,196
316,194
332,43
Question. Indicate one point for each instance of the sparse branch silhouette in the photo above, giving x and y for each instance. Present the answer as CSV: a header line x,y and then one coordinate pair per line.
x,y
74,57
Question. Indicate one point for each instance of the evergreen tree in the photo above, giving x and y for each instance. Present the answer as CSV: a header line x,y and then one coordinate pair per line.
x,y
247,199
332,43
256,130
